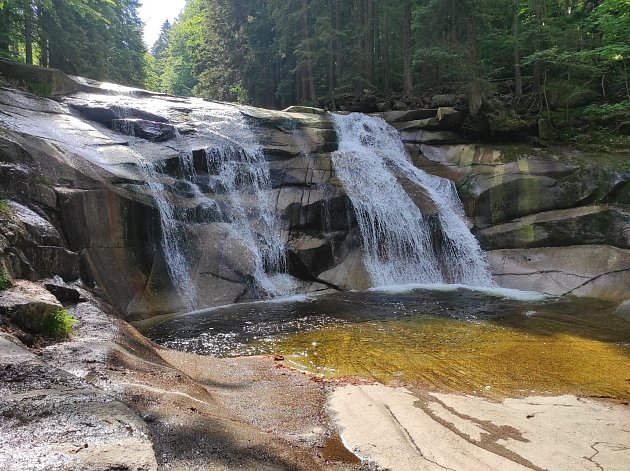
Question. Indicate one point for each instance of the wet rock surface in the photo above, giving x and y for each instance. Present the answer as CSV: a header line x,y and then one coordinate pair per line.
x,y
109,399
76,171
598,271
552,219
104,224
587,225
51,419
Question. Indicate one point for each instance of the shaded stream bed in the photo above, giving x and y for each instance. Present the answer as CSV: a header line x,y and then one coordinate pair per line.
x,y
449,339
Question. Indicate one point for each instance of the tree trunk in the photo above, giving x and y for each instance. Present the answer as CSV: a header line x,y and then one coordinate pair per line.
x,y
369,41
337,27
625,80
518,78
44,56
540,9
387,61
299,84
406,49
308,72
4,28
332,54
28,31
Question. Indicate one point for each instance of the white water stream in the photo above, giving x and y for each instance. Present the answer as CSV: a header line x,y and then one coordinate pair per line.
x,y
400,244
239,175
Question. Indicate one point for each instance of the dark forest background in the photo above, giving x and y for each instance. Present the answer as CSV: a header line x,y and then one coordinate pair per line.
x,y
567,61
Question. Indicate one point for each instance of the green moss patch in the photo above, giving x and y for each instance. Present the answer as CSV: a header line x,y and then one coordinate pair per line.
x,y
5,209
5,281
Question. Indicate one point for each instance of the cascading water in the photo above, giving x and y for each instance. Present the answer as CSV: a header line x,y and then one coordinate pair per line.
x,y
244,177
235,187
400,244
242,172
172,243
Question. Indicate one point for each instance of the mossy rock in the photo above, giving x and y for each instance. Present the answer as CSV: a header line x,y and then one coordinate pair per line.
x,y
304,109
40,81
33,308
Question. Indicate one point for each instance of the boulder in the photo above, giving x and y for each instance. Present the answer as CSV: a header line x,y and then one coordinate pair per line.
x,y
41,230
150,130
350,274
432,137
417,125
529,187
62,291
587,225
586,270
42,81
407,115
501,183
309,255
33,248
450,118
69,424
27,304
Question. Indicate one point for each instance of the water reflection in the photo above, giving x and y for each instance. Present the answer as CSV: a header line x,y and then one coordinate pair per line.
x,y
459,340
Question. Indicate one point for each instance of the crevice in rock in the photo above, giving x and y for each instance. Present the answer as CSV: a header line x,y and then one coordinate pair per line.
x,y
591,280
413,442
329,284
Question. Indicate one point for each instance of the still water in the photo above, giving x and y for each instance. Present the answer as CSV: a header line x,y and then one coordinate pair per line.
x,y
492,343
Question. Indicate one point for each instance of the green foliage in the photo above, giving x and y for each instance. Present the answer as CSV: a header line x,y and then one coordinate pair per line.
x,y
553,57
57,324
43,179
101,39
5,209
276,53
619,112
5,281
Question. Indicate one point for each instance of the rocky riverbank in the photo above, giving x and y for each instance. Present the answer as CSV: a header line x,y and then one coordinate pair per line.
x,y
109,399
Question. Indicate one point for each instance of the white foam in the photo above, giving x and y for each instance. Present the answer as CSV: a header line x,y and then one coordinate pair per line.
x,y
401,244
496,292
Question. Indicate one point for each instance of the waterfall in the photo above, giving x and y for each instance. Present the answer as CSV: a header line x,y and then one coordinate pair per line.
x,y
400,244
242,172
173,242
232,185
244,178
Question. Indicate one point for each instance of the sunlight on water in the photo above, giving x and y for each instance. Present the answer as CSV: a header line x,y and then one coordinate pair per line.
x,y
453,339
542,353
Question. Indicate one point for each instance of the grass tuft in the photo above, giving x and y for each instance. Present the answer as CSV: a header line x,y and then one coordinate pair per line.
x,y
5,281
5,209
57,324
